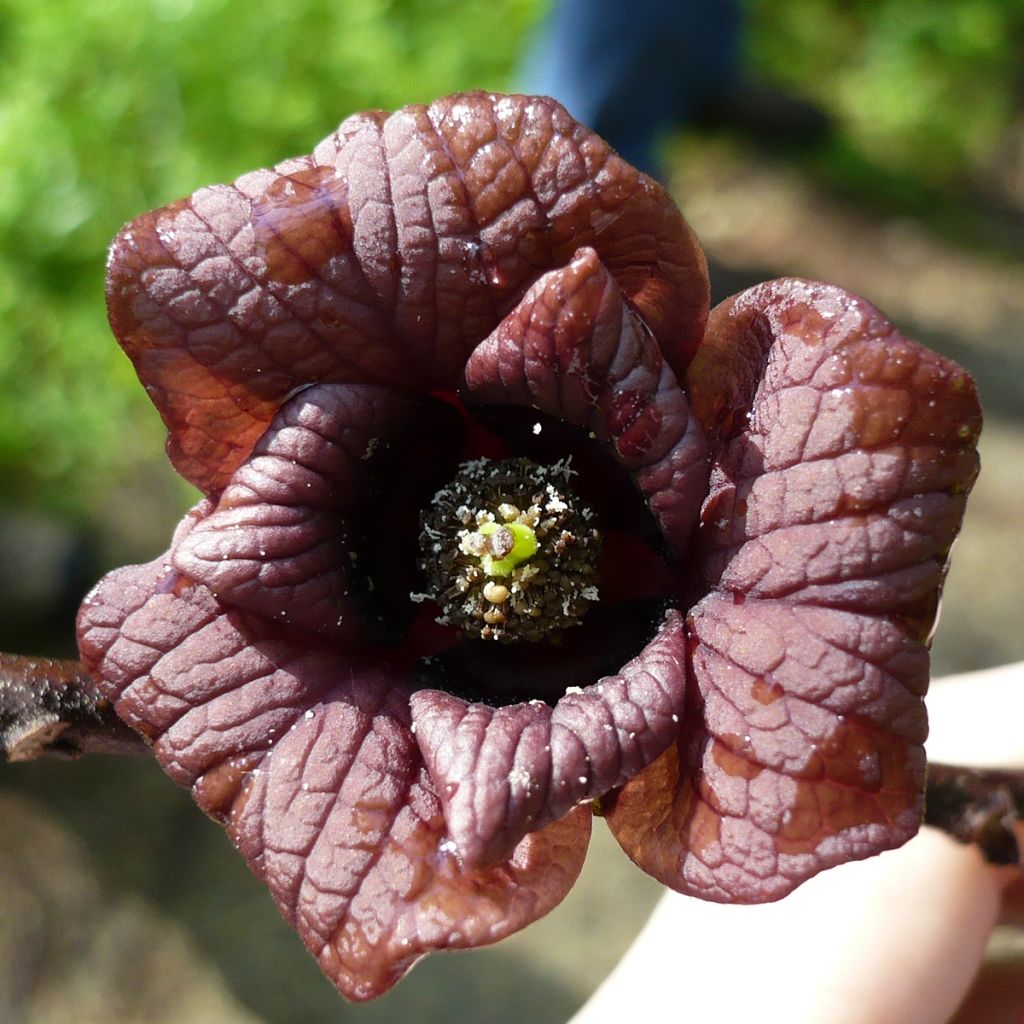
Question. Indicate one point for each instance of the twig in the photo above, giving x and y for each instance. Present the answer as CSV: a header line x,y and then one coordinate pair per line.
x,y
978,805
51,709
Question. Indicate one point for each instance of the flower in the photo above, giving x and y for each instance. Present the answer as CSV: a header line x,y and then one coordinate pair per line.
x,y
452,345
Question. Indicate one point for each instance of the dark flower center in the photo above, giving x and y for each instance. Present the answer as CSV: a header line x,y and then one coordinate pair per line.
x,y
509,552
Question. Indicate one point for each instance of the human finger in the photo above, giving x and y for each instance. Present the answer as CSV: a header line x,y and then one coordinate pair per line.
x,y
895,938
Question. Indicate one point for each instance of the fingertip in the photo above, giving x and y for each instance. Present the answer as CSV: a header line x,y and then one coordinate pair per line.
x,y
974,718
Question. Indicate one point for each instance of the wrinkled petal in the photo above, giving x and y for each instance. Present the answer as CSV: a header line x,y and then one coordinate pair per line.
x,y
847,480
503,772
842,455
791,769
573,348
311,766
384,257
290,535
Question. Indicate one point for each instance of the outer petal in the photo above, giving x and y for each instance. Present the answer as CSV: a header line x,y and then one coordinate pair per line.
x,y
573,348
311,766
792,768
383,257
504,772
842,456
290,537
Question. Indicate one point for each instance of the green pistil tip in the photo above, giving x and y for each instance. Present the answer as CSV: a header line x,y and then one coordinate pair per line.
x,y
524,547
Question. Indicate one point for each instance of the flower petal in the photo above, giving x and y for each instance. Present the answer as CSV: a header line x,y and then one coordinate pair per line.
x,y
841,459
573,348
310,764
504,772
846,484
813,762
290,535
383,257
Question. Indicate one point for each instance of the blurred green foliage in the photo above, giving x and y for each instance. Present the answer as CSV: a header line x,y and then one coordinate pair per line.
x,y
112,107
926,88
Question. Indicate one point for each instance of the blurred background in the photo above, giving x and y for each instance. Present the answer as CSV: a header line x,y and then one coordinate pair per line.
x,y
878,144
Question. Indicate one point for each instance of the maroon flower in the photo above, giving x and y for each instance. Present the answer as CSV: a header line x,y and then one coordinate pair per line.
x,y
732,532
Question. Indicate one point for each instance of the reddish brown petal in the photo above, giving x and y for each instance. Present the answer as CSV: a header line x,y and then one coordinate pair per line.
x,y
383,257
574,349
289,535
311,765
842,455
503,772
845,479
808,753
343,823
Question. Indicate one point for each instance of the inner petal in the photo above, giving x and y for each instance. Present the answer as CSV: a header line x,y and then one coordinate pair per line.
x,y
310,524
574,348
504,772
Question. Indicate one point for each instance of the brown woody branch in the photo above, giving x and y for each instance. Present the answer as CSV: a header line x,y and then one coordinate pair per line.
x,y
51,709
978,805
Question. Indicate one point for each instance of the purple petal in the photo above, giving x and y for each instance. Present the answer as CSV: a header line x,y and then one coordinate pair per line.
x,y
310,764
382,258
573,348
288,537
809,753
842,455
847,482
504,772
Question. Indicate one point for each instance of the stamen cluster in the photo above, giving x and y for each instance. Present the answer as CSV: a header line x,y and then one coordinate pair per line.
x,y
510,553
